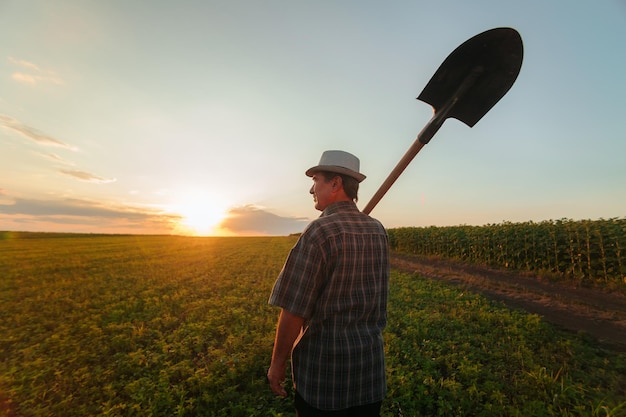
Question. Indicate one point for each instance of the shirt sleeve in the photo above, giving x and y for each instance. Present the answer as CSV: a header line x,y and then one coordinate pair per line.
x,y
302,278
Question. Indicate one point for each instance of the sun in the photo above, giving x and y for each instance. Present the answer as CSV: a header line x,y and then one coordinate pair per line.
x,y
200,214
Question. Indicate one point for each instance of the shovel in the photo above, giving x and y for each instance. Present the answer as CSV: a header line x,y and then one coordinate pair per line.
x,y
472,79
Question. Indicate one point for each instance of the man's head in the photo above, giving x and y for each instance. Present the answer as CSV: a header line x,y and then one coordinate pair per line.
x,y
335,178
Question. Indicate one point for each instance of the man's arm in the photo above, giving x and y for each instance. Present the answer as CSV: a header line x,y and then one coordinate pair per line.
x,y
287,331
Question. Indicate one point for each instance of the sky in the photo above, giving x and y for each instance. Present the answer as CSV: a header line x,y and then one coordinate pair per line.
x,y
201,117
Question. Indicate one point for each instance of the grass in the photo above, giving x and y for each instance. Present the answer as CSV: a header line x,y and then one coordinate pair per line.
x,y
180,326
455,353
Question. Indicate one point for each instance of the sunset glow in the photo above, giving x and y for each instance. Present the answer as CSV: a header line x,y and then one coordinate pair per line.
x,y
201,214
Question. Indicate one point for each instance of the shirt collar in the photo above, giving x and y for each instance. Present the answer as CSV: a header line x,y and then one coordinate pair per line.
x,y
339,206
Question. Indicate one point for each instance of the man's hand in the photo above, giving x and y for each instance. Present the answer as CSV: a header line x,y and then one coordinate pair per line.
x,y
276,377
287,331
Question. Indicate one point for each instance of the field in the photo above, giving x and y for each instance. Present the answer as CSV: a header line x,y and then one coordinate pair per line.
x,y
179,326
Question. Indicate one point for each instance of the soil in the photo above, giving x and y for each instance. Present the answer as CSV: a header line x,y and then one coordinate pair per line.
x,y
595,312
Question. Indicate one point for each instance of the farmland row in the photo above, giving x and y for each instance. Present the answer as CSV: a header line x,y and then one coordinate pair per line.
x,y
585,251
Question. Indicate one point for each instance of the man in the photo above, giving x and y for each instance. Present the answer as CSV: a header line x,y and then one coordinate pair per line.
x,y
332,292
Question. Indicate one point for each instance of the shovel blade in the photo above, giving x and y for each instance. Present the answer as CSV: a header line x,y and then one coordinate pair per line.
x,y
497,53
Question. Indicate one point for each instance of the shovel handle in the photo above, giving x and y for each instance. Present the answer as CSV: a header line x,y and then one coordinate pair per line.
x,y
424,137
401,166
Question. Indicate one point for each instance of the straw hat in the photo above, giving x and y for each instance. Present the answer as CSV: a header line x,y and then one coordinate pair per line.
x,y
340,162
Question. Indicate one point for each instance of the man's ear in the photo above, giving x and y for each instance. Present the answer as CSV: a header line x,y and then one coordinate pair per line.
x,y
337,183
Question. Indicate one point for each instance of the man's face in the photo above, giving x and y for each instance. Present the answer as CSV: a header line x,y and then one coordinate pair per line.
x,y
321,191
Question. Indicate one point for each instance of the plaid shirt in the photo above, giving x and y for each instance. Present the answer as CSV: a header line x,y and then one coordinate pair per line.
x,y
337,278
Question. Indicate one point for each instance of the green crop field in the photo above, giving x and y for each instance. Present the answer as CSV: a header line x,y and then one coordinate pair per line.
x,y
586,252
179,326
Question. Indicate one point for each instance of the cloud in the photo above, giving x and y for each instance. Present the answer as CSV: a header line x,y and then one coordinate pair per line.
x,y
30,133
86,176
34,79
69,207
33,134
87,216
35,75
24,64
252,220
54,157
84,216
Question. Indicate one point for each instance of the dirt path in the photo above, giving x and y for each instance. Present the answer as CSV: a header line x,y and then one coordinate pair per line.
x,y
600,314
